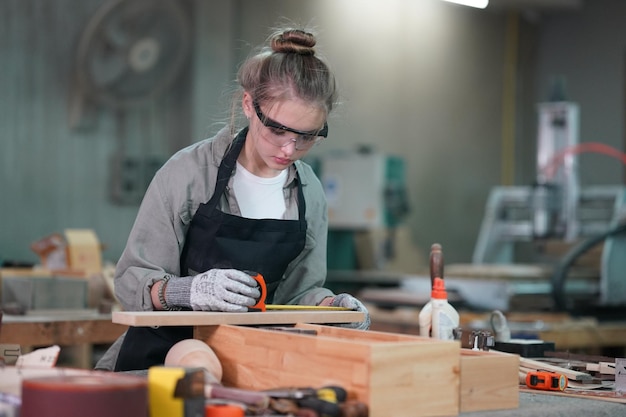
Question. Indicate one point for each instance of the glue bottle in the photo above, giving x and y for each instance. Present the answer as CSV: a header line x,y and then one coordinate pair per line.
x,y
436,271
425,319
444,317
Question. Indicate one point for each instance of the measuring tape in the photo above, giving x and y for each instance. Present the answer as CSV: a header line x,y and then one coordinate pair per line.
x,y
544,380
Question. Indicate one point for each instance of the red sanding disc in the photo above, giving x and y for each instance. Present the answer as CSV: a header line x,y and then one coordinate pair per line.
x,y
94,395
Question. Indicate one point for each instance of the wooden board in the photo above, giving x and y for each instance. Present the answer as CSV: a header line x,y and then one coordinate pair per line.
x,y
211,318
611,396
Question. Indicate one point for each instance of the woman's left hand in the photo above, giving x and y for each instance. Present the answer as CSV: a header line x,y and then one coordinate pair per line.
x,y
348,301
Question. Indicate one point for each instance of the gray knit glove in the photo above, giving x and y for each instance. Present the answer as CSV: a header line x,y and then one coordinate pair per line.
x,y
214,290
348,301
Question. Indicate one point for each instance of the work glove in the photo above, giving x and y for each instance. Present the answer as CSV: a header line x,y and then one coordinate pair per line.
x,y
214,290
348,301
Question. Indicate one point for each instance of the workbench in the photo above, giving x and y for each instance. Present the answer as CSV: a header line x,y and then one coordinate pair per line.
x,y
89,328
567,333
395,300
77,330
546,405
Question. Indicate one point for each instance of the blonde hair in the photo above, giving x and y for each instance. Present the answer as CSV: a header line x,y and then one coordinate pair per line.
x,y
287,67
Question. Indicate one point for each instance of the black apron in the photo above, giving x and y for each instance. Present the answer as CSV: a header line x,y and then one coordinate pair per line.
x,y
220,240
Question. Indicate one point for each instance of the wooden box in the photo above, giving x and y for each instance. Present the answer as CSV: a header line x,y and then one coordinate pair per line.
x,y
396,375
489,380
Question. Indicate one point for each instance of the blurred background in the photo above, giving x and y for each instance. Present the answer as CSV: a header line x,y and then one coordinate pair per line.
x,y
441,107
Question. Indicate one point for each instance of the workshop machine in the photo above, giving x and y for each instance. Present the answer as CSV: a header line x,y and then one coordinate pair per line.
x,y
556,207
358,214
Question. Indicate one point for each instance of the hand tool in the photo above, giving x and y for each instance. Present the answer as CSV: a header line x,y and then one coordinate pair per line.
x,y
195,354
547,381
223,410
329,392
324,401
481,340
288,329
175,391
261,306
252,399
304,307
181,392
354,408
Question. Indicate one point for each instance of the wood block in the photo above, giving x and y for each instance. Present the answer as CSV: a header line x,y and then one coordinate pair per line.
x,y
396,375
489,380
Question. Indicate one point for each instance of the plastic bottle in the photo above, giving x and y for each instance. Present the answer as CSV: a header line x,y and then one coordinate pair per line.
x,y
425,319
436,271
444,317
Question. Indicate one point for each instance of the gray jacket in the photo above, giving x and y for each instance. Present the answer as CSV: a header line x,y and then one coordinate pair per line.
x,y
157,238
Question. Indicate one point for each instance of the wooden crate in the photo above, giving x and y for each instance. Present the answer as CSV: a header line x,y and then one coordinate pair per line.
x,y
489,380
396,375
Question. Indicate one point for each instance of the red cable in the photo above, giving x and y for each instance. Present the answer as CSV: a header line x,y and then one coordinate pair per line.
x,y
596,147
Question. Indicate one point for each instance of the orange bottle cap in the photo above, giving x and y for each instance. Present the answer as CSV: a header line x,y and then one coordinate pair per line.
x,y
439,289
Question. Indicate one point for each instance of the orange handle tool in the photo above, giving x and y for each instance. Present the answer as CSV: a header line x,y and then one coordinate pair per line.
x,y
260,305
548,381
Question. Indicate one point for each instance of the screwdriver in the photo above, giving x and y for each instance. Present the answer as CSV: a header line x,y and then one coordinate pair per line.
x,y
324,401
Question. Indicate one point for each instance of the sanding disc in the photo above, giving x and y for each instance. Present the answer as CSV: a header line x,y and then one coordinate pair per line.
x,y
94,395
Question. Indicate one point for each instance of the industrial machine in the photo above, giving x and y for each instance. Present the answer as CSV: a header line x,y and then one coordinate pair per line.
x,y
357,213
556,207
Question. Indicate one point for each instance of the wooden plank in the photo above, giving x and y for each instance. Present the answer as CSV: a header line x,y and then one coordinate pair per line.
x,y
611,396
539,365
211,318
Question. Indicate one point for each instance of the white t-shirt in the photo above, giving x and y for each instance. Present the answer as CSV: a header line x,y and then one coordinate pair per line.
x,y
259,197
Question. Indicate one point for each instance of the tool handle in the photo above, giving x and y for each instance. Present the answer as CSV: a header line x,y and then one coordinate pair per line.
x,y
260,305
436,262
248,397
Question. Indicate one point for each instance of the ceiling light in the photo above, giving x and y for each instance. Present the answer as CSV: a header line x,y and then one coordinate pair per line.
x,y
481,4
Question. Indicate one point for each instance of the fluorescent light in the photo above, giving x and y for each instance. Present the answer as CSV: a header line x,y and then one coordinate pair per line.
x,y
481,4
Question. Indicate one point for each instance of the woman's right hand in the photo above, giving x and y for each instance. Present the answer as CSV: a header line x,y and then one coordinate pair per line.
x,y
214,290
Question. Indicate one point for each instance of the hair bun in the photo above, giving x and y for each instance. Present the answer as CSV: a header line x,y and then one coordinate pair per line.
x,y
294,41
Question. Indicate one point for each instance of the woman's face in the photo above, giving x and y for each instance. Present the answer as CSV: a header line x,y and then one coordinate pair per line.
x,y
270,149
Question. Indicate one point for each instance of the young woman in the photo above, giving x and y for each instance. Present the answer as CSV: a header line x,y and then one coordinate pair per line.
x,y
240,201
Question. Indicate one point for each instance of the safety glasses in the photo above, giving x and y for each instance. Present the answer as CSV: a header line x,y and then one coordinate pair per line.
x,y
278,132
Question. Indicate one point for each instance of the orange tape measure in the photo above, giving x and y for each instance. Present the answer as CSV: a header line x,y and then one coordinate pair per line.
x,y
260,305
548,381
